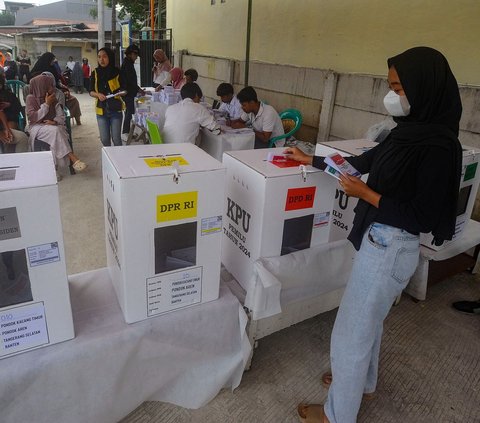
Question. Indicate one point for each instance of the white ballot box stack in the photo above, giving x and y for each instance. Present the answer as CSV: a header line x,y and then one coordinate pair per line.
x,y
35,306
163,223
271,210
342,214
466,197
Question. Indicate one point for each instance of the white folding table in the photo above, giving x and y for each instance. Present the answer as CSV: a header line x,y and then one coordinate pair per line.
x,y
110,368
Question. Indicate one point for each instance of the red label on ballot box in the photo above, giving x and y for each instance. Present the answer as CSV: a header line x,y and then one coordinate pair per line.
x,y
300,198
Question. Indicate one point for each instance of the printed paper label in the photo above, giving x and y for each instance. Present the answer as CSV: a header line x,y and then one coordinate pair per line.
x,y
176,206
43,254
112,234
166,161
22,328
321,219
9,226
300,198
211,225
170,291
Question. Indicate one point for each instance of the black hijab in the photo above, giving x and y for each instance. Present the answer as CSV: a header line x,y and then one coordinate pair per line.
x,y
435,111
430,87
44,64
108,72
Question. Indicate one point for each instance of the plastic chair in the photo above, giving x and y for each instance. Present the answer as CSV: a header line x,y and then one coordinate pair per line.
x,y
154,132
16,87
286,116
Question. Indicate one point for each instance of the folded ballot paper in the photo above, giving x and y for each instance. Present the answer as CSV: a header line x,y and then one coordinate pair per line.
x,y
115,94
337,165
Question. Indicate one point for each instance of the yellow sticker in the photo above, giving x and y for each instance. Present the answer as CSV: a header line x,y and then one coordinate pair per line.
x,y
165,161
176,206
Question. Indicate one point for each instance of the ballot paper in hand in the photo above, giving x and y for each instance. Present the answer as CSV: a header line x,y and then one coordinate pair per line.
x,y
115,94
332,172
336,162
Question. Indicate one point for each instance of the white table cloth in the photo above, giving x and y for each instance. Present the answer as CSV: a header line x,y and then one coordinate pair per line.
x,y
228,140
282,280
110,368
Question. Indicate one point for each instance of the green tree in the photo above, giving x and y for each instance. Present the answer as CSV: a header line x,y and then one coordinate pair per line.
x,y
7,18
94,13
138,10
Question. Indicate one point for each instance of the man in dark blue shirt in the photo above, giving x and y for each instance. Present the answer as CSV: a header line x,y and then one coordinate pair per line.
x,y
130,77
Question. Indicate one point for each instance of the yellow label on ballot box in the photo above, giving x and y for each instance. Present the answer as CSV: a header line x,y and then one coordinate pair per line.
x,y
176,206
165,161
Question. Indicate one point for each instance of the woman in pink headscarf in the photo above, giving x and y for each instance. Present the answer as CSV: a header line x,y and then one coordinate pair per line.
x,y
161,68
46,121
175,79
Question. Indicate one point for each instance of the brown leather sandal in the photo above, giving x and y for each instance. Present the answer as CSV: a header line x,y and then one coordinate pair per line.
x,y
327,381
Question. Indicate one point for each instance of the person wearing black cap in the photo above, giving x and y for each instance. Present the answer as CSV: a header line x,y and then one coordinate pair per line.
x,y
130,77
412,188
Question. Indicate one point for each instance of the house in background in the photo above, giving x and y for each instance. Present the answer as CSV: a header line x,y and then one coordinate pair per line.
x,y
66,28
14,6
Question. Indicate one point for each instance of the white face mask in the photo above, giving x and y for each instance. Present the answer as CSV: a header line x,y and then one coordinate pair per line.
x,y
396,105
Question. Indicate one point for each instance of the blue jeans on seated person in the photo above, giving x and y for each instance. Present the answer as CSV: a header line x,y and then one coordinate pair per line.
x,y
110,128
382,268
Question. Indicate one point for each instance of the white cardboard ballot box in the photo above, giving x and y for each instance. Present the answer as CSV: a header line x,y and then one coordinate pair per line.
x,y
35,306
466,197
343,209
270,210
163,224
342,214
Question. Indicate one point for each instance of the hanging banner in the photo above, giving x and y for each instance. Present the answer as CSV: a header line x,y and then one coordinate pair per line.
x,y
126,34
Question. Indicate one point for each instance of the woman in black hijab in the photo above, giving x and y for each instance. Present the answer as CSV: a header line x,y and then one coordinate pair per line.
x,y
44,64
106,80
412,188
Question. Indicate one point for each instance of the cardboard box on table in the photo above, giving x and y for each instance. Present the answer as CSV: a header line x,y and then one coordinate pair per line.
x,y
469,182
270,210
342,214
35,306
163,233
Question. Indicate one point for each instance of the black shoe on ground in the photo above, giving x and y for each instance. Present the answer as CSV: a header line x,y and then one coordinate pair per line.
x,y
470,307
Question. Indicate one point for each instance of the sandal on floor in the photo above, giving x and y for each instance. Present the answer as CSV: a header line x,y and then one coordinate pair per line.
x,y
311,413
79,166
327,381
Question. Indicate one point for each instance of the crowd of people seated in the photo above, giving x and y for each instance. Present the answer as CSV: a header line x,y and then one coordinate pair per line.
x,y
114,90
42,121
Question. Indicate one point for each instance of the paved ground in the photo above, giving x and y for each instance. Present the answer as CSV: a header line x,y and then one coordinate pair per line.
x,y
430,359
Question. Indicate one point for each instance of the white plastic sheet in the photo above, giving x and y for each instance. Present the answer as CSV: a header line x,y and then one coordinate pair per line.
x,y
184,357
293,277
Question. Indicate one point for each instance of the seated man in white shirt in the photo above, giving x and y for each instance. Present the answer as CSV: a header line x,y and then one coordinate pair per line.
x,y
230,104
184,119
262,117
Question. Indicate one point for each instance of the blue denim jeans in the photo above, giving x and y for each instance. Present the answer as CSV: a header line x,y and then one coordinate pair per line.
x,y
110,128
382,268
